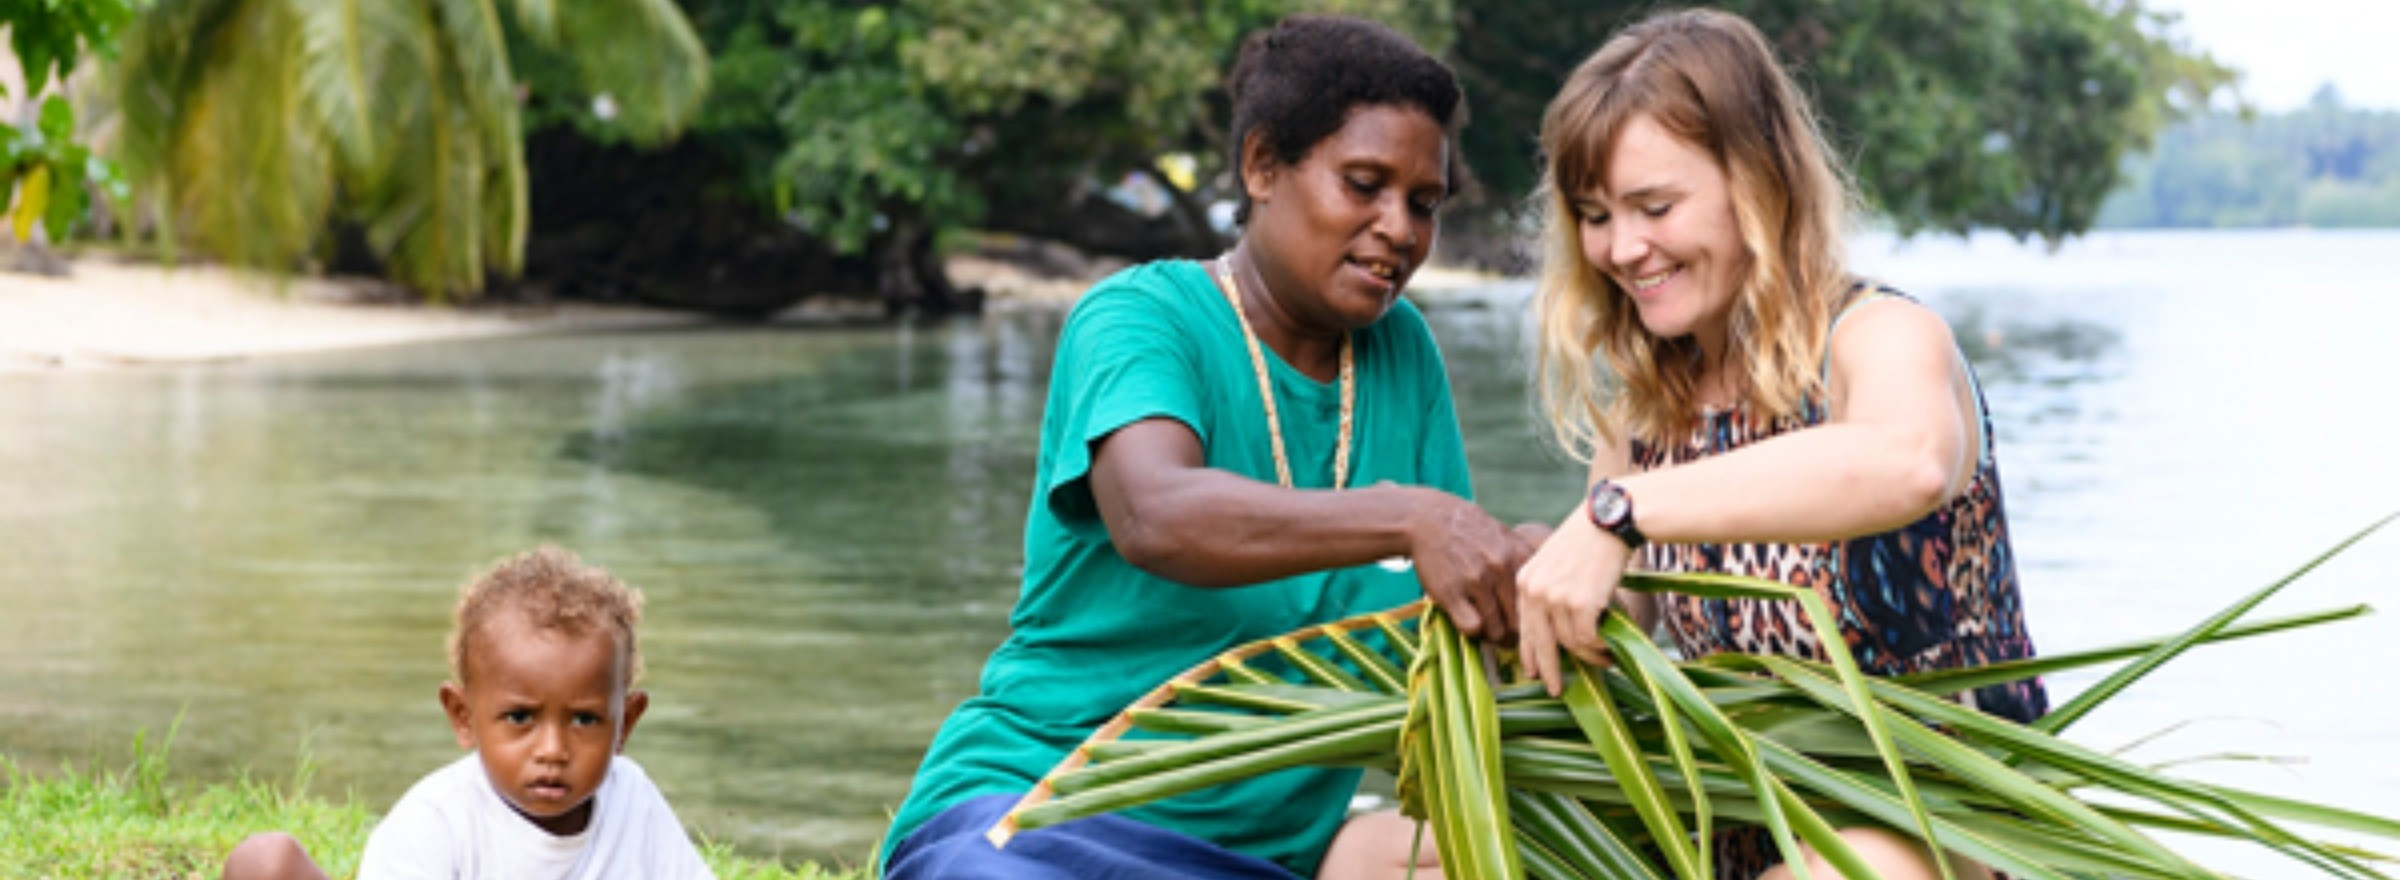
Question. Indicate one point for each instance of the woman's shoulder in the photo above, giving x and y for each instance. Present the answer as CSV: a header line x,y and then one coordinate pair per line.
x,y
1879,322
1873,302
1151,279
1403,327
1173,291
1406,316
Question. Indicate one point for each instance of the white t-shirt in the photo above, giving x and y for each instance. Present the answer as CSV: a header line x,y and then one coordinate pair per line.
x,y
453,825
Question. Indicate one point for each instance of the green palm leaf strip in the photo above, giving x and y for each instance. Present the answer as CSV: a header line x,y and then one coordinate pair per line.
x,y
1967,678
1387,677
1600,722
2221,812
1986,773
1450,750
1584,844
1784,814
1829,637
1679,749
2073,710
2123,776
1319,669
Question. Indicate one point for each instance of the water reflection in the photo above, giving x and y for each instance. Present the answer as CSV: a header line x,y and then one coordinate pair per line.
x,y
2061,351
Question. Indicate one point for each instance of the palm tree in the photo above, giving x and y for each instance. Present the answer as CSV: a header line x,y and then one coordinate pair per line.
x,y
251,125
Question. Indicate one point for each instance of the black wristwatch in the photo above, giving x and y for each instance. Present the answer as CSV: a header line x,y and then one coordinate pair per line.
x,y
1612,510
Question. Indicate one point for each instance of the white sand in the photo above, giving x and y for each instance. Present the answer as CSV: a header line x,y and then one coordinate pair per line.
x,y
111,313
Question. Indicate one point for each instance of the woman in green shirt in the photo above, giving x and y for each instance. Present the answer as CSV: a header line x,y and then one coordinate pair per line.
x,y
1229,450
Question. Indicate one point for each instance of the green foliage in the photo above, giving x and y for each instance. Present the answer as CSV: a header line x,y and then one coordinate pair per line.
x,y
861,119
48,36
598,70
255,123
50,174
45,175
1952,115
2324,166
864,140
881,125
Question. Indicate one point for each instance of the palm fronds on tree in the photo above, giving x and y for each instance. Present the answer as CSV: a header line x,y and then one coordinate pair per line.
x,y
1628,772
251,122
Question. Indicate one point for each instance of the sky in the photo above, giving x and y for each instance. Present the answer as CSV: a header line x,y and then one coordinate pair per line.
x,y
2287,48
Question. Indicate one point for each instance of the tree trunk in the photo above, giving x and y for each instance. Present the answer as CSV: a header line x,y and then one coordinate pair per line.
x,y
612,223
909,275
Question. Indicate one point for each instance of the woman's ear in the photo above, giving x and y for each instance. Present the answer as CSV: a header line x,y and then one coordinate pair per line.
x,y
1259,167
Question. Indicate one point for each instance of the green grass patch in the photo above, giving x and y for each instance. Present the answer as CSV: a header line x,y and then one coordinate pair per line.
x,y
139,822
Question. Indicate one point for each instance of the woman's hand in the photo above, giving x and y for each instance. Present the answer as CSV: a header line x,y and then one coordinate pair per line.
x,y
1560,594
1467,562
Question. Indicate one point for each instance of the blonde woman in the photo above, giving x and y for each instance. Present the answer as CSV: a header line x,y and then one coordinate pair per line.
x,y
1747,405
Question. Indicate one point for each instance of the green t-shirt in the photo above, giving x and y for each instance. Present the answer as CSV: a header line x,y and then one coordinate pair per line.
x,y
1091,633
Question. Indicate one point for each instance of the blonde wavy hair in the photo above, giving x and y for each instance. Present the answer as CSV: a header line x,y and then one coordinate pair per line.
x,y
1709,79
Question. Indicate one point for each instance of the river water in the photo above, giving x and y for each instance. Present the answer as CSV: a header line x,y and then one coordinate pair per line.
x,y
826,524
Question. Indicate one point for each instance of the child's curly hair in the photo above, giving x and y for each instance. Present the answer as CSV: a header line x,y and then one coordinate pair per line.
x,y
555,590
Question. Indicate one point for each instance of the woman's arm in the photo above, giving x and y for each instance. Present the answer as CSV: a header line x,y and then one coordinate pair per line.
x,y
1171,515
1898,441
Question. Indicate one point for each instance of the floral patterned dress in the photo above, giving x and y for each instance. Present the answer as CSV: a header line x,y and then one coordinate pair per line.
x,y
1937,593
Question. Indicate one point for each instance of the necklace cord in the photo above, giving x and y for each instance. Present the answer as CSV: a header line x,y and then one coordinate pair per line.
x,y
1266,388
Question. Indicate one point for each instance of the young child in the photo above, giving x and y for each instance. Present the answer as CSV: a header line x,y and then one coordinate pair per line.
x,y
544,660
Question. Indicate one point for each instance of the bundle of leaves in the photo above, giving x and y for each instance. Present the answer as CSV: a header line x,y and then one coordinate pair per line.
x,y
1631,769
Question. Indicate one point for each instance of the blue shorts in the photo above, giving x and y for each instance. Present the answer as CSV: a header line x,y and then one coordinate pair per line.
x,y
951,847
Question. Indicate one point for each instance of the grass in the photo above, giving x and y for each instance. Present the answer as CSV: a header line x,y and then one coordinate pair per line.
x,y
139,822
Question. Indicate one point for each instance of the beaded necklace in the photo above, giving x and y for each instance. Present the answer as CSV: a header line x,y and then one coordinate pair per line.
x,y
1266,389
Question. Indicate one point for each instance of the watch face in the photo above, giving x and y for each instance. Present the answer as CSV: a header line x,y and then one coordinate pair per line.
x,y
1614,507
1609,507
1612,511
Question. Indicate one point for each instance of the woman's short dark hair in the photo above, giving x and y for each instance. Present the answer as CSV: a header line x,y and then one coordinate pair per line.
x,y
1296,83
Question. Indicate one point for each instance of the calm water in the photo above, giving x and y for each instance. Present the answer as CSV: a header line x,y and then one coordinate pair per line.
x,y
826,523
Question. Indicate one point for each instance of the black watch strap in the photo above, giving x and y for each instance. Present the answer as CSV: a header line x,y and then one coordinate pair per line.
x,y
1612,510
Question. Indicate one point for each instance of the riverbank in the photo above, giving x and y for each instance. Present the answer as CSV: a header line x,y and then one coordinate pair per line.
x,y
114,312
110,311
142,821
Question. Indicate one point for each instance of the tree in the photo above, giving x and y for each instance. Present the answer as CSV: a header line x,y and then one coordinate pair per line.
x,y
256,123
880,127
2323,165
1951,115
44,172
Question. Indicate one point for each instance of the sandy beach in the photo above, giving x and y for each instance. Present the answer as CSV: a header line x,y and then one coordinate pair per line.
x,y
113,313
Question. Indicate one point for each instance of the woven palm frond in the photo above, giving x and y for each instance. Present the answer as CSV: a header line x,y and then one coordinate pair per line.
x,y
1380,673
1627,773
